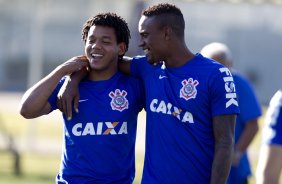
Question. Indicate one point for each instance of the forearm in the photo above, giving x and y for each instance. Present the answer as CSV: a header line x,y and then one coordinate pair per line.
x,y
247,135
222,163
124,65
68,96
269,165
223,129
35,100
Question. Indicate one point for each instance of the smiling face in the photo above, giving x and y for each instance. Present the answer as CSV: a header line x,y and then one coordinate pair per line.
x,y
152,39
102,50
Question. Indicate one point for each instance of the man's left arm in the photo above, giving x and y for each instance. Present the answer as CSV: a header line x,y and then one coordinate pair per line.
x,y
223,130
248,134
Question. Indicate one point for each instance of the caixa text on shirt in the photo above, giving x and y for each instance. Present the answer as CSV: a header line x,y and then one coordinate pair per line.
x,y
100,128
167,108
229,88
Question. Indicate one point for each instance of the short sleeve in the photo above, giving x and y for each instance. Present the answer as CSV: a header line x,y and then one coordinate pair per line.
x,y
53,97
223,96
139,66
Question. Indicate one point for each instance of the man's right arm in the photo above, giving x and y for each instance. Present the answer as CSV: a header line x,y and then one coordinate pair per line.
x,y
124,65
68,95
35,100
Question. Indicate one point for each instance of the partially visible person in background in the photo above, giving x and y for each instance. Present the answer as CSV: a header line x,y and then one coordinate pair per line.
x,y
270,157
247,121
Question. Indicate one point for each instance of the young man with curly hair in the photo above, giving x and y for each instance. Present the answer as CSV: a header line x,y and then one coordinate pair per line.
x,y
99,140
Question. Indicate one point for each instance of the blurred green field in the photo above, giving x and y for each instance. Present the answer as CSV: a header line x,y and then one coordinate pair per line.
x,y
36,169
39,142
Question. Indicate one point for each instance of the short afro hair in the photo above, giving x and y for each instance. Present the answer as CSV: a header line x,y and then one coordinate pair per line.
x,y
170,16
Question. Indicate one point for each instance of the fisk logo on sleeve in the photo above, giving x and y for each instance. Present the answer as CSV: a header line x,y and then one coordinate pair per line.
x,y
229,88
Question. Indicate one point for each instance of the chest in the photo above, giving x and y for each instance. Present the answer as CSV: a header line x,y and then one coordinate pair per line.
x,y
110,104
187,92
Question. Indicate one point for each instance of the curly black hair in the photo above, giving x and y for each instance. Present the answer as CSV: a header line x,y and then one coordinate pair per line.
x,y
110,20
170,16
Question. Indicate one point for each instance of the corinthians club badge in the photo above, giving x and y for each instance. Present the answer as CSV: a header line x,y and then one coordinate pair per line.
x,y
188,89
119,101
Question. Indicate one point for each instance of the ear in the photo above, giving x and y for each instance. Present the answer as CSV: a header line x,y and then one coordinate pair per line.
x,y
167,32
121,48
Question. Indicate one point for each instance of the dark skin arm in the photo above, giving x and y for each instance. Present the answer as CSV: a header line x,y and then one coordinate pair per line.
x,y
223,129
124,65
69,94
35,100
246,138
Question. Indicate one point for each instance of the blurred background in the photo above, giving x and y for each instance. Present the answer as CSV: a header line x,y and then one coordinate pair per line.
x,y
38,35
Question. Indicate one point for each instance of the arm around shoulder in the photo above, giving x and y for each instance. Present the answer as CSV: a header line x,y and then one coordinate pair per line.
x,y
124,65
34,102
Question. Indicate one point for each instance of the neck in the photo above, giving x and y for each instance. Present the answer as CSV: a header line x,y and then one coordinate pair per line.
x,y
179,57
99,75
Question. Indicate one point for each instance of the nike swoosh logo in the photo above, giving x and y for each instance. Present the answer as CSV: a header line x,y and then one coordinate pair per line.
x,y
162,76
83,100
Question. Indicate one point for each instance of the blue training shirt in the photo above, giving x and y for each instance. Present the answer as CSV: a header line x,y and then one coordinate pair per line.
x,y
249,109
99,141
180,105
272,131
